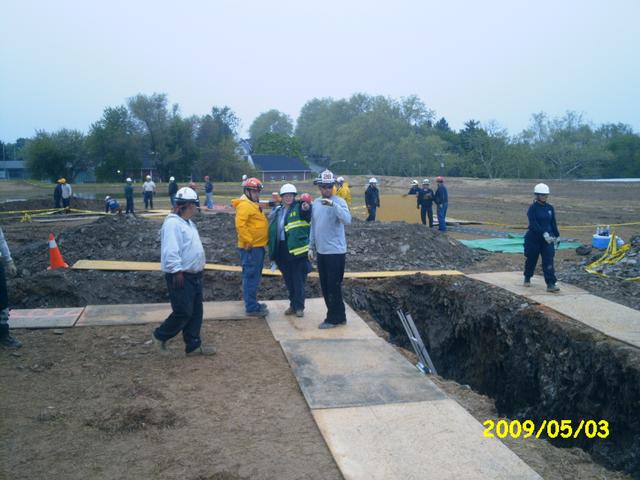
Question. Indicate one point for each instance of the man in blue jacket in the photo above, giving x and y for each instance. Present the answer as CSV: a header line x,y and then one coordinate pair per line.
x,y
425,202
208,191
541,238
442,201
372,199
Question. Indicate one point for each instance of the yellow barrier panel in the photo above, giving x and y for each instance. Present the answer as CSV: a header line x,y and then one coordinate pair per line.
x,y
155,267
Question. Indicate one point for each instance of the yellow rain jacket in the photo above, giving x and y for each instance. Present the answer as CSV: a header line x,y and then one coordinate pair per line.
x,y
343,192
251,224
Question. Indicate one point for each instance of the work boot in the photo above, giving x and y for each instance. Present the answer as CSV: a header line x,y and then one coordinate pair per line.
x,y
205,350
160,345
264,306
299,313
257,313
527,282
553,288
10,342
289,311
324,325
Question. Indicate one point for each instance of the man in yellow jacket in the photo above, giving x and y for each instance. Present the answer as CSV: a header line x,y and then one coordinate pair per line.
x,y
341,189
253,235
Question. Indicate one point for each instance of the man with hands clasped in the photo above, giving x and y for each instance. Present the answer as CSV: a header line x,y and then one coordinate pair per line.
x,y
327,242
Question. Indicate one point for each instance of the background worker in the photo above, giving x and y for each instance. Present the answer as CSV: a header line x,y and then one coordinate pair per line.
x,y
182,261
128,195
441,198
57,194
148,191
414,188
6,266
327,242
208,191
252,228
66,193
540,239
289,245
111,205
342,190
372,199
172,189
425,202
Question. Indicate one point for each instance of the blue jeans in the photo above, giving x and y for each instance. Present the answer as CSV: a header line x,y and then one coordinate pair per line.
x,y
533,248
442,217
148,199
172,199
129,205
372,213
252,263
186,315
209,199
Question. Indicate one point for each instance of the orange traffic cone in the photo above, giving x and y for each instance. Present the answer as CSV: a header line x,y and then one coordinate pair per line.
x,y
56,260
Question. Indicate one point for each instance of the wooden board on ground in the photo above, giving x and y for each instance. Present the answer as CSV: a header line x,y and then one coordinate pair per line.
x,y
512,281
45,318
345,373
437,439
290,327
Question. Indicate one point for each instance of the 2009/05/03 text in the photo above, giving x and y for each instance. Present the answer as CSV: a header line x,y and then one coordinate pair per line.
x,y
549,428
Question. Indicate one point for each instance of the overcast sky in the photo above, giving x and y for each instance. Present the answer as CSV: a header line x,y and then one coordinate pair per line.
x,y
63,62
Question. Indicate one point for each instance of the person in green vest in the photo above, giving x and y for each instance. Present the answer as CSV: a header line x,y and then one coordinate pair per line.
x,y
289,226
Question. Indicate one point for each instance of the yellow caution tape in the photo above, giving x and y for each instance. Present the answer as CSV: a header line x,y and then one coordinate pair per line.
x,y
611,256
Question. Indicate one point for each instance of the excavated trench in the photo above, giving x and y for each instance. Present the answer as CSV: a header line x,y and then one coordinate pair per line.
x,y
535,363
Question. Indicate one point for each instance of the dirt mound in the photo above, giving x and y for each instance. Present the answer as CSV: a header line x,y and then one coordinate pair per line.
x,y
42,204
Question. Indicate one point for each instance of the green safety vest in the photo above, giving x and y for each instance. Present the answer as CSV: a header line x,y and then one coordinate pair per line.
x,y
296,232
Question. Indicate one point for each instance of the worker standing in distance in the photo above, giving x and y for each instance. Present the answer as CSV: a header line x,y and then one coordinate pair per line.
x,y
182,261
414,188
172,189
441,198
128,195
57,194
66,194
425,202
342,190
289,245
372,199
6,266
328,242
148,191
540,239
208,191
252,228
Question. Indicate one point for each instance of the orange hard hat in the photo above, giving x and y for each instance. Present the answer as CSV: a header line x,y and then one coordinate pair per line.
x,y
253,184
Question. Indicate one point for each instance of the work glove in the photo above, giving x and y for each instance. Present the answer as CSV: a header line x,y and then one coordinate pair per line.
x,y
178,280
312,255
548,238
11,268
327,201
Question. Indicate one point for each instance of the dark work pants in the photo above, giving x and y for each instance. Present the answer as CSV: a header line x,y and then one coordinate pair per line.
x,y
252,262
148,199
129,205
534,247
4,302
372,214
442,217
294,271
57,202
66,202
186,315
331,271
424,211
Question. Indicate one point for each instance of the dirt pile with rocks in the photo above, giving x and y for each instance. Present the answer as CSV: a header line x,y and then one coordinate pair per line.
x,y
40,204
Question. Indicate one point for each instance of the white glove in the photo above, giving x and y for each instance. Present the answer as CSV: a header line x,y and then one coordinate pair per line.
x,y
328,202
548,238
312,255
11,268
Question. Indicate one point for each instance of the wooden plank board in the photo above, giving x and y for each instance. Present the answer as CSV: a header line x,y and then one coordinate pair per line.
x,y
45,317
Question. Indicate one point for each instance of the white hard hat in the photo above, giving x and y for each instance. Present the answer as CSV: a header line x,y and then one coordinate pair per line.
x,y
414,182
244,177
373,180
129,180
541,189
340,179
172,179
425,181
186,194
288,188
148,177
107,198
326,178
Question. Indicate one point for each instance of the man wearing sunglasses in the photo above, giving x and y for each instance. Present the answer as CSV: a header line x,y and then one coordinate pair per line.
x,y
327,242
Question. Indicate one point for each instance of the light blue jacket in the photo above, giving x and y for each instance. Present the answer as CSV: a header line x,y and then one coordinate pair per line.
x,y
327,226
181,249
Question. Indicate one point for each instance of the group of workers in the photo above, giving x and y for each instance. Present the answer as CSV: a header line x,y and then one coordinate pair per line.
x,y
298,231
62,194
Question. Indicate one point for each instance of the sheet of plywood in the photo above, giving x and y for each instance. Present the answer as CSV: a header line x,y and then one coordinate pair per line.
x,y
45,317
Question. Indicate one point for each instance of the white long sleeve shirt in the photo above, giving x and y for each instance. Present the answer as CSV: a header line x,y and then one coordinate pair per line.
x,y
327,226
181,249
149,186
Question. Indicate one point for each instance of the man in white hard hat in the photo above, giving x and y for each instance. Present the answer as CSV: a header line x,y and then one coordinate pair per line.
x,y
540,239
182,260
425,202
148,191
414,188
128,195
372,199
328,242
172,189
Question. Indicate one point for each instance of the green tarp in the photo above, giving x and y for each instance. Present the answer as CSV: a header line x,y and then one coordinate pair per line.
x,y
513,244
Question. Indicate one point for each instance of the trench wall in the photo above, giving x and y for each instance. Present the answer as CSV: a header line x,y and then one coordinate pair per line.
x,y
535,363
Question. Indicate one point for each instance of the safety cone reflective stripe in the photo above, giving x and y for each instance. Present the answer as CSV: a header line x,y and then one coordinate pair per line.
x,y
55,257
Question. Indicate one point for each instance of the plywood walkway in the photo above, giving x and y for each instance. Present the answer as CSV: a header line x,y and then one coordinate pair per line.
x,y
610,318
